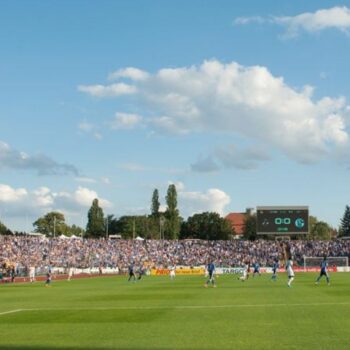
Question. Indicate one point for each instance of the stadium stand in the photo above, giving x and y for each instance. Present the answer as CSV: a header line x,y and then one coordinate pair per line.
x,y
25,251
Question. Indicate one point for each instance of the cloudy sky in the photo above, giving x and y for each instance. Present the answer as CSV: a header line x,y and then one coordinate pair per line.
x,y
239,103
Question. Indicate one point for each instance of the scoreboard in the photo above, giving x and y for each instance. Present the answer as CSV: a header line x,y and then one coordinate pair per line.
x,y
282,220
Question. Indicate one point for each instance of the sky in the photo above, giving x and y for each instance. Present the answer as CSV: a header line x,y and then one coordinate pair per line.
x,y
238,103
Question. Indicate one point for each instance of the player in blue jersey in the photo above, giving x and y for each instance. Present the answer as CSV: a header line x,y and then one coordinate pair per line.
x,y
141,271
48,278
256,267
211,279
323,272
275,268
131,273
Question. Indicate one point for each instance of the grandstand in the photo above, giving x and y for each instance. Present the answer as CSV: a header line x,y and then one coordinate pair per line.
x,y
25,251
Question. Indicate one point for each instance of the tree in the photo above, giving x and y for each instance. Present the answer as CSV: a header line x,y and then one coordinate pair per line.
x,y
132,226
4,230
322,231
75,230
208,225
173,220
96,225
345,223
249,230
155,205
312,223
319,229
51,224
111,221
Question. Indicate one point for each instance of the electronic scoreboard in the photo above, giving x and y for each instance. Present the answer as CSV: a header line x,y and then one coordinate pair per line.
x,y
282,220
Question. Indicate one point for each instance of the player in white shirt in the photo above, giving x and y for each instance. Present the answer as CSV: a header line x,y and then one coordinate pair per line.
x,y
245,273
172,272
290,272
70,273
289,263
32,274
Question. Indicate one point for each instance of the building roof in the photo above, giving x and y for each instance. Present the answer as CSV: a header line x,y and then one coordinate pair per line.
x,y
237,222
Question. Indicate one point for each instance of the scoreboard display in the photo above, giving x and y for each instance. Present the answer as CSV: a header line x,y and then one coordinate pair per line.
x,y
282,220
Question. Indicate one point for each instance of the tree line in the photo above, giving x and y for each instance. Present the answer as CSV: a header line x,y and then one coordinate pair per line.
x,y
168,224
158,225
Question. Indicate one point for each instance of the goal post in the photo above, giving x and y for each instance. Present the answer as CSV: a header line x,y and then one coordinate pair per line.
x,y
313,261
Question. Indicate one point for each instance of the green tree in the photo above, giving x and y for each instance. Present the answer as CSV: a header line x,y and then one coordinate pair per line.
x,y
173,220
208,225
344,229
132,226
322,231
312,223
152,227
51,224
249,230
111,221
75,230
319,229
155,205
4,230
96,224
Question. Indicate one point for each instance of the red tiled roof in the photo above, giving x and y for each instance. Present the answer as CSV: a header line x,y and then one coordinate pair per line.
x,y
237,222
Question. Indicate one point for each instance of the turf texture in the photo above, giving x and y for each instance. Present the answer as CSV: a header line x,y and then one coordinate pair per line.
x,y
156,313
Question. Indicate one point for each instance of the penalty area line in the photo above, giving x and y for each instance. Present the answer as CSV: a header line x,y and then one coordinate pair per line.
x,y
180,307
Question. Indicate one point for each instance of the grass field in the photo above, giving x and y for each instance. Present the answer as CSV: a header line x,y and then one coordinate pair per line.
x,y
156,313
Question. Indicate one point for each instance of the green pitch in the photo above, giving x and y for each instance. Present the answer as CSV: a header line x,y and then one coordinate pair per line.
x,y
156,313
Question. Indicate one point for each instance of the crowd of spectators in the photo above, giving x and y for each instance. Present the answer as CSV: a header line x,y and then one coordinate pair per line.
x,y
28,251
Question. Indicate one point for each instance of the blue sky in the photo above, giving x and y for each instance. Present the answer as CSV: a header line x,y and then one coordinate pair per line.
x,y
239,103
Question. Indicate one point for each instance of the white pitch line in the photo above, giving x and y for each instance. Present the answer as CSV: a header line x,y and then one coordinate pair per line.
x,y
181,307
10,312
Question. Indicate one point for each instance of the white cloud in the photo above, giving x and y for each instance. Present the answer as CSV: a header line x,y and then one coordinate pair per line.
x,y
85,179
332,18
108,91
20,201
336,17
168,125
245,101
130,73
125,121
212,200
248,20
84,197
10,158
10,195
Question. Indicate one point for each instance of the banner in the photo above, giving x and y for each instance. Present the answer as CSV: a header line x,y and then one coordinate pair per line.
x,y
179,271
234,270
306,269
228,270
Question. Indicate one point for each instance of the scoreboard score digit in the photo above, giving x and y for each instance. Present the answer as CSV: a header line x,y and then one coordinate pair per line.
x,y
282,220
